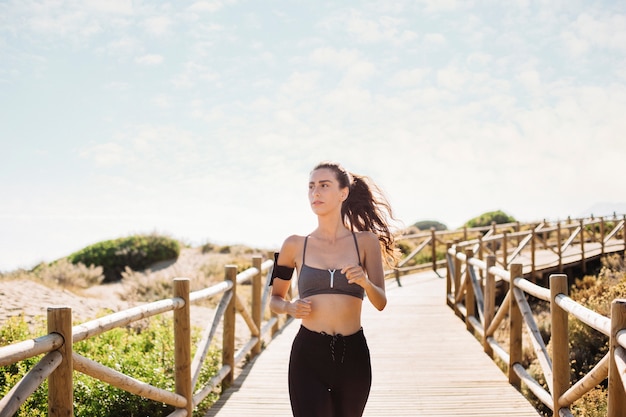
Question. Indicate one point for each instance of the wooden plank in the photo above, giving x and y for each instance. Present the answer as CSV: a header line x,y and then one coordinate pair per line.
x,y
424,363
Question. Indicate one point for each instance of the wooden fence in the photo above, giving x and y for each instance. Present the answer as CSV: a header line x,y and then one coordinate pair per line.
x,y
471,292
60,361
493,242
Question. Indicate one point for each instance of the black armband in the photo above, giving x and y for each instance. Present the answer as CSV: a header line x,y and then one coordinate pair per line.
x,y
280,271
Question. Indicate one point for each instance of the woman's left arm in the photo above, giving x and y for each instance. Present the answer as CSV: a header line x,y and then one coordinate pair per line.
x,y
371,276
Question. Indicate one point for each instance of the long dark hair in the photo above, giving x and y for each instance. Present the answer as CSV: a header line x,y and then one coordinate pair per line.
x,y
366,208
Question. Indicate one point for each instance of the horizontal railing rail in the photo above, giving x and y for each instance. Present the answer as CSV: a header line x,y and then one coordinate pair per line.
x,y
470,286
60,361
471,292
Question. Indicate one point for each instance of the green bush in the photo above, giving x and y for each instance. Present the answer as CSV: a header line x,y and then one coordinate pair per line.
x,y
427,224
145,353
486,219
136,252
13,330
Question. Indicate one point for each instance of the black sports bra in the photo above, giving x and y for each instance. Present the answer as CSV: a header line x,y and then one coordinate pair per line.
x,y
313,281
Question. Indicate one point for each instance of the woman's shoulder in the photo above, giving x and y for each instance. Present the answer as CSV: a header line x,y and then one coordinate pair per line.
x,y
292,245
367,237
293,240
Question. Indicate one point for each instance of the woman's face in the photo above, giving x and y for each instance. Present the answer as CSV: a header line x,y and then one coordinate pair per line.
x,y
324,192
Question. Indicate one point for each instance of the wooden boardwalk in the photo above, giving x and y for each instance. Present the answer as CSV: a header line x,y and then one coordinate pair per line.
x,y
424,363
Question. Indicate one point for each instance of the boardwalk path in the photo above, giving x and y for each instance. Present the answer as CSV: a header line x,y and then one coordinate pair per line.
x,y
424,364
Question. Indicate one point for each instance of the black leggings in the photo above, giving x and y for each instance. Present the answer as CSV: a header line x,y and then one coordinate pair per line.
x,y
329,376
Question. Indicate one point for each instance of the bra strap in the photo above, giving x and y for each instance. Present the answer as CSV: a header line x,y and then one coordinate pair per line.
x,y
358,254
304,248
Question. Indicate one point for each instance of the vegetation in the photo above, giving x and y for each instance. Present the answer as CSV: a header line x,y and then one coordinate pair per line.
x,y
486,219
428,224
135,252
61,273
127,350
586,345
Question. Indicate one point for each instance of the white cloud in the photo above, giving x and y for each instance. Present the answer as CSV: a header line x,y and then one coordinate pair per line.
x,y
107,154
436,39
372,29
161,101
300,84
150,59
205,6
337,58
433,6
121,47
606,31
531,80
192,74
409,77
158,25
452,78
120,7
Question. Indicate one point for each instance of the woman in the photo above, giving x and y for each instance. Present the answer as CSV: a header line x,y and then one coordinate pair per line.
x,y
337,263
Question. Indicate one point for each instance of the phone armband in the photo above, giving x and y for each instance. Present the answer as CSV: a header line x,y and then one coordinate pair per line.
x,y
280,271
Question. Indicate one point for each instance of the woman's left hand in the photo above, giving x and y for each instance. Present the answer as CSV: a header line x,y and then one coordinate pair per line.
x,y
355,275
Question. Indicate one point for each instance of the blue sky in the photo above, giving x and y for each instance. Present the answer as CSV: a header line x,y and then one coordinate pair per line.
x,y
202,119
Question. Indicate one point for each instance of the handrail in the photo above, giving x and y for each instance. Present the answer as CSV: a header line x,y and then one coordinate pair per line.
x,y
187,370
470,291
464,297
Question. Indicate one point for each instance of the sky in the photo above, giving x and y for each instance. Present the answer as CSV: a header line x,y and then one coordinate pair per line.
x,y
203,119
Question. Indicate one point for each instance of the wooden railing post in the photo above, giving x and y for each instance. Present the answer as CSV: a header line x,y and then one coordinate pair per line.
x,y
583,260
61,380
624,229
276,326
481,255
433,242
558,245
182,343
559,340
457,273
515,329
602,235
457,277
505,249
257,293
228,337
470,297
617,396
533,249
448,274
490,302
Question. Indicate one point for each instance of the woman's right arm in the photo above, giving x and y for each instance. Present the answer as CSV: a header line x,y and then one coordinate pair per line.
x,y
278,301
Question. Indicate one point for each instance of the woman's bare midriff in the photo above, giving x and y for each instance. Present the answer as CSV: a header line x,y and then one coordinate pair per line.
x,y
334,314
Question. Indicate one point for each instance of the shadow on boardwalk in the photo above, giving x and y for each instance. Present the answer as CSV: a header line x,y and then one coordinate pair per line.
x,y
424,364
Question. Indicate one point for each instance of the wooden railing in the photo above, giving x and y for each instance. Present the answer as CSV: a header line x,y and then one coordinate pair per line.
x,y
466,297
471,292
60,361
512,241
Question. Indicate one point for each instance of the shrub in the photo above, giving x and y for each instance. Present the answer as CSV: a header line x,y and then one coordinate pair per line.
x,y
486,219
143,352
61,273
427,224
136,252
13,330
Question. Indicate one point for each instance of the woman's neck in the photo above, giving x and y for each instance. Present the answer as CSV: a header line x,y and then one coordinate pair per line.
x,y
330,231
